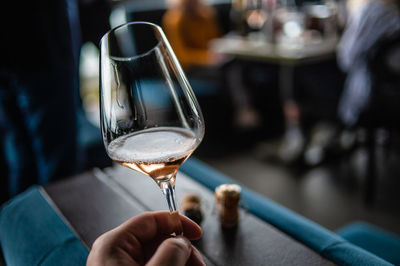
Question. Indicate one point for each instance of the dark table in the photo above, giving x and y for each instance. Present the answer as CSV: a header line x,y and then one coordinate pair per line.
x,y
286,56
97,201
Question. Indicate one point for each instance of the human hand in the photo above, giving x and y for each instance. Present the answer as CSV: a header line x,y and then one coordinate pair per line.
x,y
146,239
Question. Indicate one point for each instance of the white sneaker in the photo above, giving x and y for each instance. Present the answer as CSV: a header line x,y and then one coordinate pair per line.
x,y
292,144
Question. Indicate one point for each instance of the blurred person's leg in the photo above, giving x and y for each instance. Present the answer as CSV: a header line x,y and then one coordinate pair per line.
x,y
321,86
246,115
228,76
293,140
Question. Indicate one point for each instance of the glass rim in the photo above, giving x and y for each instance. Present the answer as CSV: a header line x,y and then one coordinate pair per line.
x,y
129,58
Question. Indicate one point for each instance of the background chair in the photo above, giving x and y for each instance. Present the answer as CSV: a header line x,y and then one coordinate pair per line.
x,y
383,111
374,239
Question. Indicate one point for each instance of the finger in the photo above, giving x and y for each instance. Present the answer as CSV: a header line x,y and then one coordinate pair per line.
x,y
168,224
150,225
173,251
191,229
177,224
195,258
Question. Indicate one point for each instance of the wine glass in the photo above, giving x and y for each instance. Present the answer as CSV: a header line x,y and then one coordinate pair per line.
x,y
150,119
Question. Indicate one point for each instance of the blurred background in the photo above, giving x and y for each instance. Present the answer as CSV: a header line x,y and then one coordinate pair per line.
x,y
300,97
294,147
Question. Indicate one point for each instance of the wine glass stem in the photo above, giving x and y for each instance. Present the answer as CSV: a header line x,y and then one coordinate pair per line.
x,y
169,191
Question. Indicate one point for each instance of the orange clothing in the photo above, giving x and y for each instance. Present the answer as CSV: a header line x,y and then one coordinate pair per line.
x,y
189,34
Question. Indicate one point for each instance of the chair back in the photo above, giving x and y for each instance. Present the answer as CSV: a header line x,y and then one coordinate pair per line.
x,y
384,63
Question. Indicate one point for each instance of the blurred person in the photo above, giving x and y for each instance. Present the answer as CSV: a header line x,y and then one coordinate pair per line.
x,y
38,93
369,21
314,91
311,115
319,87
190,25
146,239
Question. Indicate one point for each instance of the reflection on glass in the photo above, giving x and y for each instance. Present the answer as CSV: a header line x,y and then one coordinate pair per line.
x,y
151,121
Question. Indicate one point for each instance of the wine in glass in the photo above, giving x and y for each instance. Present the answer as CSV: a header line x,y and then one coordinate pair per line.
x,y
150,119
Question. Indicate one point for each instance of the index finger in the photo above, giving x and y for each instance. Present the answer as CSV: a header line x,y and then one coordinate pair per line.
x,y
150,225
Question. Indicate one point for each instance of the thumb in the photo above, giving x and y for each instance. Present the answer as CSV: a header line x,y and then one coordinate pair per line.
x,y
173,251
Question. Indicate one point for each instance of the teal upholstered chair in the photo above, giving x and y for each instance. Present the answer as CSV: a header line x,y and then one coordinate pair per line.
x,y
32,233
374,239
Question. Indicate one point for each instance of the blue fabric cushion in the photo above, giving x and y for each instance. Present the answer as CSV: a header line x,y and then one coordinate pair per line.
x,y
374,239
325,242
32,233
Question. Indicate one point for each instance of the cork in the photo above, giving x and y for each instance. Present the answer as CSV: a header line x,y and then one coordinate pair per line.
x,y
228,197
191,207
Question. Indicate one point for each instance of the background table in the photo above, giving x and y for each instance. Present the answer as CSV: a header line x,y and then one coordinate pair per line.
x,y
98,201
258,48
286,56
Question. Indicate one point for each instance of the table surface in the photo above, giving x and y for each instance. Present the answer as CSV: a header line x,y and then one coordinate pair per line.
x,y
258,48
97,201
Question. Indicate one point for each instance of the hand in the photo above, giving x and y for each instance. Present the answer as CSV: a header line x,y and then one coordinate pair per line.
x,y
146,239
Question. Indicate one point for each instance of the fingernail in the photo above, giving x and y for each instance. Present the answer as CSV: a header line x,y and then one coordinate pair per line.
x,y
176,223
184,240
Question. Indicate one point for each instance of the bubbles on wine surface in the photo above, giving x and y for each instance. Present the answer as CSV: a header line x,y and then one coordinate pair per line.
x,y
154,145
